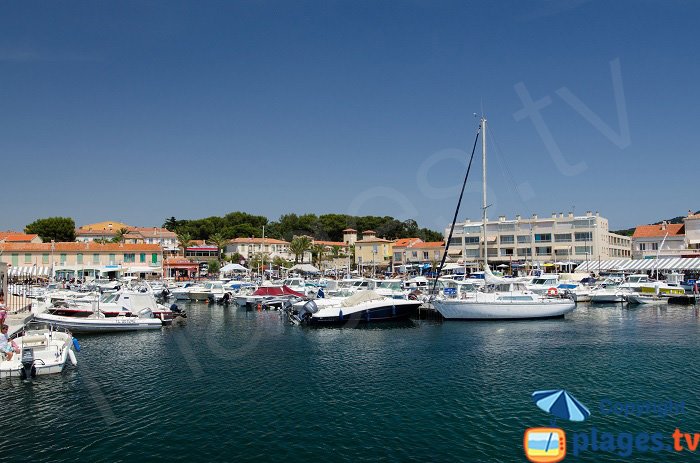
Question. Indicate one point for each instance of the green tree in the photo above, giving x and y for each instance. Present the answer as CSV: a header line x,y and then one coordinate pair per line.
x,y
298,246
170,224
59,229
335,251
120,236
184,240
214,266
317,253
220,242
236,258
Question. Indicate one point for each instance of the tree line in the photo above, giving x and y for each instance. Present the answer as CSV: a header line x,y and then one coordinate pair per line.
x,y
326,227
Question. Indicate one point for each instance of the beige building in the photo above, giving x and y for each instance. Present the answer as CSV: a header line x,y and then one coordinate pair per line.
x,y
372,251
668,239
135,235
559,238
77,260
416,251
15,237
248,247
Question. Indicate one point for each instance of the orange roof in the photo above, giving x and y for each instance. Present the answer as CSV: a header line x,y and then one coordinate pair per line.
x,y
349,230
16,237
330,243
78,247
653,231
404,242
430,244
367,232
257,241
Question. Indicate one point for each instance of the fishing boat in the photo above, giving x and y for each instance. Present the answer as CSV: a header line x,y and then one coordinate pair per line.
x,y
362,307
501,298
41,352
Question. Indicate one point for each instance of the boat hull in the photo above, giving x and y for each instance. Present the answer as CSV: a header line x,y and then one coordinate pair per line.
x,y
384,313
472,310
101,325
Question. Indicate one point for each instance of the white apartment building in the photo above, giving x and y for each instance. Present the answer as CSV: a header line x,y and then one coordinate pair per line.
x,y
667,240
559,238
248,247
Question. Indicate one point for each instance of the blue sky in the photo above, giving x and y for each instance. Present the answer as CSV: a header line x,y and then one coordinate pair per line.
x,y
138,111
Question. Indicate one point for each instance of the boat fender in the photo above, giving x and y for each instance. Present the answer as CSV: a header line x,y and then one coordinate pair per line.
x,y
552,292
76,344
71,356
259,307
340,314
393,310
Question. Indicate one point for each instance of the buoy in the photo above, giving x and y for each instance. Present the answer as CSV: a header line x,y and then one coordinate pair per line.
x,y
76,344
259,307
71,356
552,292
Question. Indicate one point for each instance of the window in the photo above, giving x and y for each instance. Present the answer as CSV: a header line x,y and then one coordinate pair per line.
x,y
45,258
129,258
414,254
562,238
426,255
506,227
27,258
507,251
654,246
543,250
15,259
397,256
468,230
507,239
543,238
142,257
471,253
437,255
584,236
95,258
456,240
79,258
525,252
581,250
642,246
523,239
471,240
154,258
112,259
561,252
63,258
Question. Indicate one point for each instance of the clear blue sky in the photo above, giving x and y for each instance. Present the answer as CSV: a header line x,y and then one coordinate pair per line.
x,y
138,111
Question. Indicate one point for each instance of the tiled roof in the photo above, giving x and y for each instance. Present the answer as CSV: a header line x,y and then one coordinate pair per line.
x,y
367,232
430,244
404,242
257,241
78,247
330,243
372,240
349,230
693,216
653,231
16,237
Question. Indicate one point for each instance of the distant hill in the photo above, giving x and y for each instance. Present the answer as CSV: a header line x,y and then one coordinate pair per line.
x,y
630,231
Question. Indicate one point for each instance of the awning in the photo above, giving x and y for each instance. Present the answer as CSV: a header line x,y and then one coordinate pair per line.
x,y
454,251
138,269
642,265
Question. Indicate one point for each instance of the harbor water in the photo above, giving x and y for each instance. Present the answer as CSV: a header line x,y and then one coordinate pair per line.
x,y
232,385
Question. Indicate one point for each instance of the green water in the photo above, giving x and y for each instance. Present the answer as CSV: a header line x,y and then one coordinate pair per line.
x,y
243,386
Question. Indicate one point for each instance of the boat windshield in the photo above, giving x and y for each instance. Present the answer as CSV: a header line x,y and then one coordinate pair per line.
x,y
393,285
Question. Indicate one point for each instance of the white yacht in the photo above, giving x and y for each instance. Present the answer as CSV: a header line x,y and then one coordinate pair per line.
x,y
502,298
545,284
609,291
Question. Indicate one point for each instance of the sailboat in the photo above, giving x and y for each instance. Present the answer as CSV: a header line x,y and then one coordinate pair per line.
x,y
502,298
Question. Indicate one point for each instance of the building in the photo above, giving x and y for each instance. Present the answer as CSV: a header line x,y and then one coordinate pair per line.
x,y
16,237
78,260
692,233
107,231
372,251
248,247
556,239
658,241
349,236
201,252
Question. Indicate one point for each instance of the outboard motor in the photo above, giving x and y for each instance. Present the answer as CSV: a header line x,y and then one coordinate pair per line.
x,y
307,309
28,369
146,313
178,311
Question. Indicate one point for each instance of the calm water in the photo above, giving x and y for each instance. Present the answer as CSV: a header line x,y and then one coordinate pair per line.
x,y
242,386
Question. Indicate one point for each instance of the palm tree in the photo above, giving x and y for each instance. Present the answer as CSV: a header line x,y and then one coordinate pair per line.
x,y
317,251
298,246
120,236
335,251
185,240
220,242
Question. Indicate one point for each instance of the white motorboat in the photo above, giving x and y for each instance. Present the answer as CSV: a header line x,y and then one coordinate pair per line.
x,y
609,291
545,284
362,307
209,290
182,293
99,323
501,298
41,352
646,299
268,296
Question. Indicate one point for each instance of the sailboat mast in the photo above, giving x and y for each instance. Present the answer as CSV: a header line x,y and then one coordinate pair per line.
x,y
483,187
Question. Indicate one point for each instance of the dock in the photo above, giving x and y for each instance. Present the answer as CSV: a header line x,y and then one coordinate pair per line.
x,y
686,299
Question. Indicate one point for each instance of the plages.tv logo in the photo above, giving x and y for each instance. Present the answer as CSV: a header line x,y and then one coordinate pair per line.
x,y
548,444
